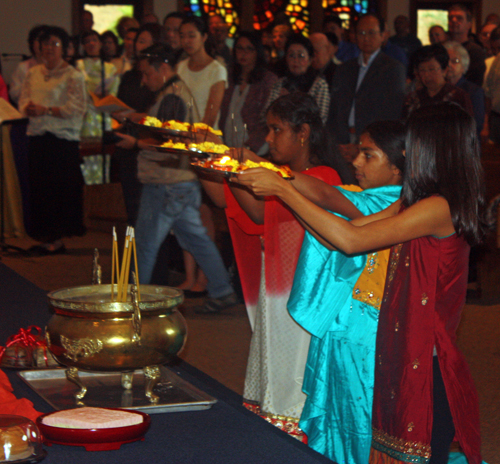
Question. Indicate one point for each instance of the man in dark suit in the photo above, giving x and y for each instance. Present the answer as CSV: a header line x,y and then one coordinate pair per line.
x,y
368,88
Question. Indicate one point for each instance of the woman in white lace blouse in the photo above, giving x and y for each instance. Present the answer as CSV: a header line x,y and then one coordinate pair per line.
x,y
53,97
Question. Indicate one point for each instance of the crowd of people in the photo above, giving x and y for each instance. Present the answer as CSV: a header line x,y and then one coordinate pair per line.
x,y
354,272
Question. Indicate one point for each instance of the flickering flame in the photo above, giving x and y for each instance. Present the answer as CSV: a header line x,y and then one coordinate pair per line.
x,y
224,160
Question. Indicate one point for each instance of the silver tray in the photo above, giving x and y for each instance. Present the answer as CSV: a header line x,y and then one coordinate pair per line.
x,y
105,390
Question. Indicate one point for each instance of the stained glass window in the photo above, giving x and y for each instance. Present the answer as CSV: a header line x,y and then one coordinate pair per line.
x,y
348,9
298,14
265,11
205,8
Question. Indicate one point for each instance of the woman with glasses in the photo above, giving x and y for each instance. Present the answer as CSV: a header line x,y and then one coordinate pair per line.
x,y
457,67
431,65
249,88
53,97
300,76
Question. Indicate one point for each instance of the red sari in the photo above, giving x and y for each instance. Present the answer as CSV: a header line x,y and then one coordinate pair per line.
x,y
423,300
279,346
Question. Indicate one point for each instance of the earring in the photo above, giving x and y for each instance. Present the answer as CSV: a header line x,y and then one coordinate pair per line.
x,y
164,79
302,142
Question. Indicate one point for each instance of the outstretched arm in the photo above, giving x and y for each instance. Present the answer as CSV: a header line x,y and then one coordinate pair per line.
x,y
427,217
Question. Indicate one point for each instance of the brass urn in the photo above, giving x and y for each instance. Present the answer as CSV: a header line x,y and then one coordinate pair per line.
x,y
91,332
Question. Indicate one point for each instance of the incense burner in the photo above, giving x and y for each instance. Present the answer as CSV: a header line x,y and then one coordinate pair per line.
x,y
88,331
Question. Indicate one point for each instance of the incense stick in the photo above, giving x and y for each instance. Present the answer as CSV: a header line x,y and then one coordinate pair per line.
x,y
136,267
122,272
113,257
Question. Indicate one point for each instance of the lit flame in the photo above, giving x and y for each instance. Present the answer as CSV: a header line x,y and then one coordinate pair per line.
x,y
224,160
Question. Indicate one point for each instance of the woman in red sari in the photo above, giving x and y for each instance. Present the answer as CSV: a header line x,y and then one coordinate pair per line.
x,y
424,395
267,239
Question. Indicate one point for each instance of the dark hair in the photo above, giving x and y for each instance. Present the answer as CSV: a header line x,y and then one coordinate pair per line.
x,y
442,158
157,32
300,40
381,22
495,34
461,7
299,108
135,30
259,69
332,19
332,38
120,26
85,35
34,34
390,137
58,32
174,14
203,30
427,53
113,37
75,40
158,54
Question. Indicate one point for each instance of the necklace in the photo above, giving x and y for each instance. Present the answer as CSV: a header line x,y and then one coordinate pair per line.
x,y
49,73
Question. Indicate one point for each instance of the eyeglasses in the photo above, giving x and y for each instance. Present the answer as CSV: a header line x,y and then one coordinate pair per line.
x,y
371,34
298,56
51,43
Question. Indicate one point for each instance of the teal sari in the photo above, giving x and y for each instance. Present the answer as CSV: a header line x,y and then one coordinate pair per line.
x,y
339,374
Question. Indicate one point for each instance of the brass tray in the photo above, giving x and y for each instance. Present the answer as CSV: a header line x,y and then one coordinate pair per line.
x,y
105,390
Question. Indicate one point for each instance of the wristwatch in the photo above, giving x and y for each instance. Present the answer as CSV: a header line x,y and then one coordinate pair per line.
x,y
49,111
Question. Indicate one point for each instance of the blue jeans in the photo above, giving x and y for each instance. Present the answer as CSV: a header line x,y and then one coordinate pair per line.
x,y
177,207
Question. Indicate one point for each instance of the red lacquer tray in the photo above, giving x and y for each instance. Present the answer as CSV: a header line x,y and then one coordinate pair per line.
x,y
95,439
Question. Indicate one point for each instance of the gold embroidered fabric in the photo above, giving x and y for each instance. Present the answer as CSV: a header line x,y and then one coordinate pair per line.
x,y
290,425
400,449
370,285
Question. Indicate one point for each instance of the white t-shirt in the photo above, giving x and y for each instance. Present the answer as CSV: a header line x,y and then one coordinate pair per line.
x,y
200,82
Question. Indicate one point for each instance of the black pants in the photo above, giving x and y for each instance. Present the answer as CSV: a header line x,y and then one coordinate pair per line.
x,y
443,429
56,188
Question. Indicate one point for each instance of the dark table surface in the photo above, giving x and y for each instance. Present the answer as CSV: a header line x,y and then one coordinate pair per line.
x,y
226,433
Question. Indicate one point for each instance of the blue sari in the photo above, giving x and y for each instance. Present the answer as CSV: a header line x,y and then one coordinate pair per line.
x,y
339,374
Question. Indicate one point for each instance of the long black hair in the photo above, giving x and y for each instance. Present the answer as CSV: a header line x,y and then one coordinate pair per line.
x,y
442,158
299,108
203,30
390,137
259,70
